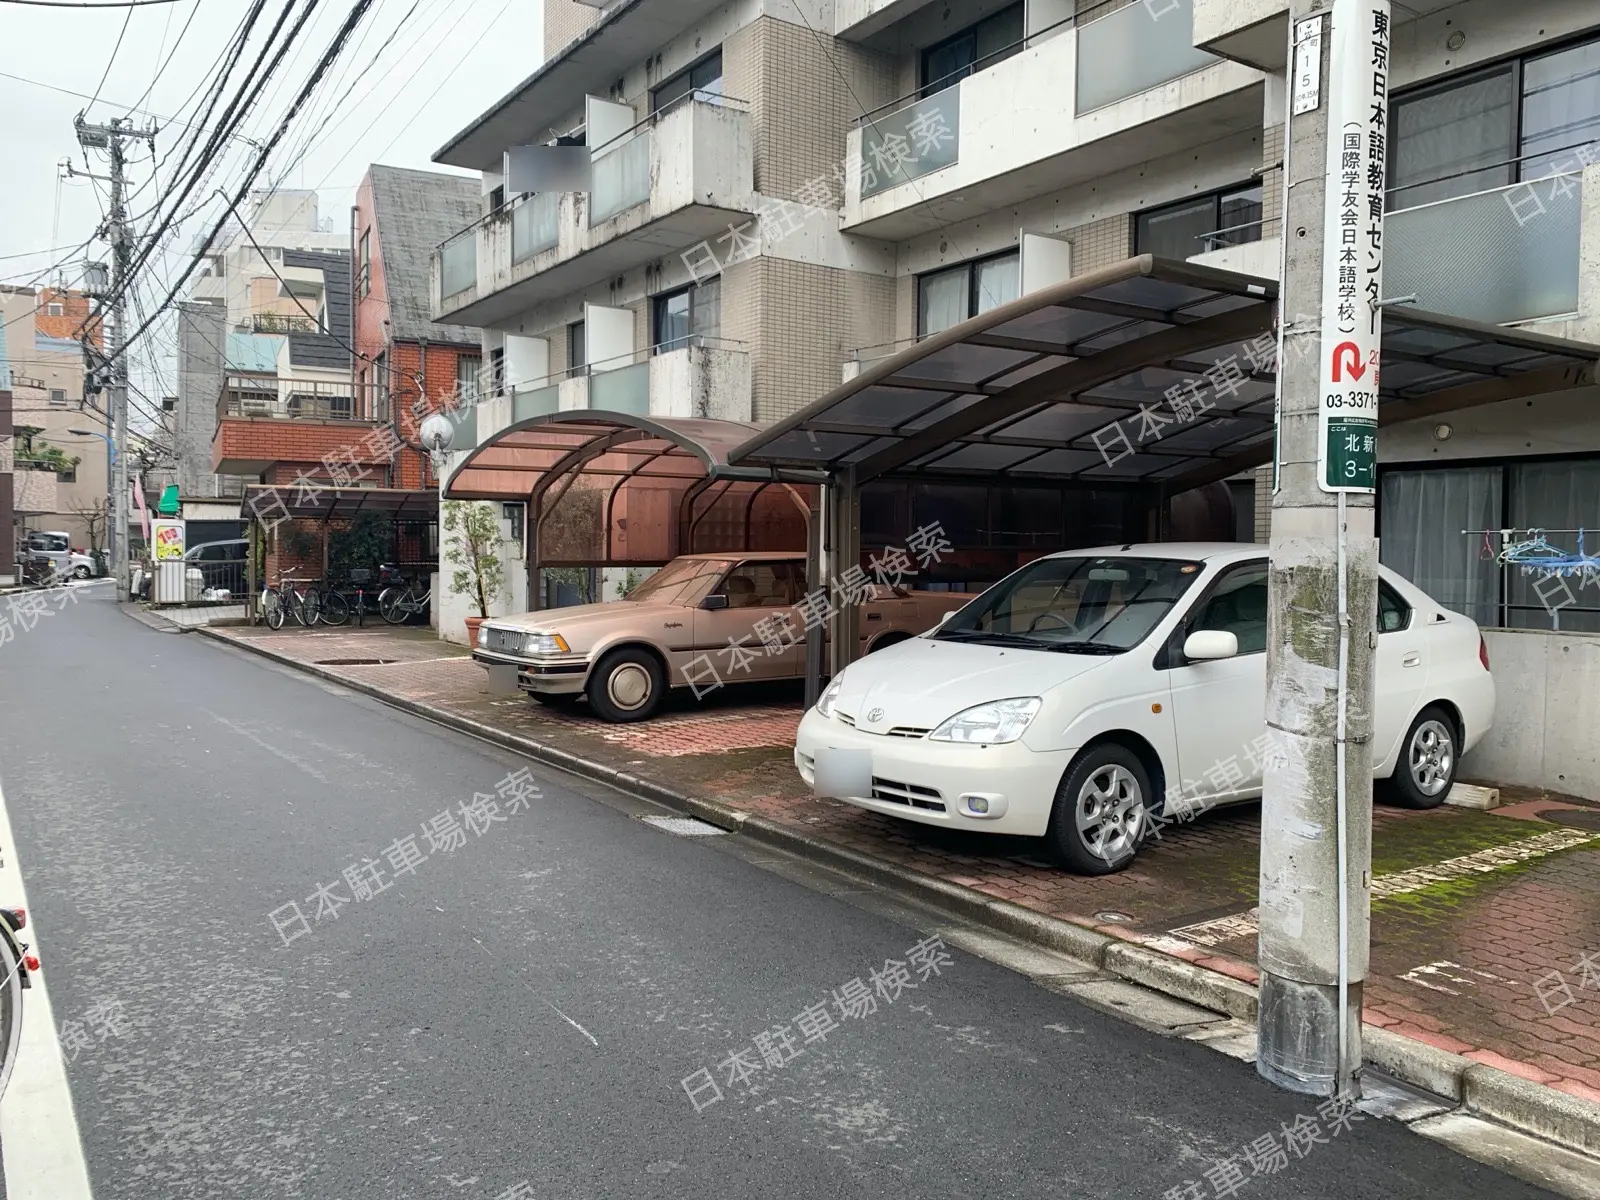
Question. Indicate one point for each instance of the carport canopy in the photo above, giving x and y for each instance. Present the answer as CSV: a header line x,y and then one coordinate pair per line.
x,y
1150,373
620,489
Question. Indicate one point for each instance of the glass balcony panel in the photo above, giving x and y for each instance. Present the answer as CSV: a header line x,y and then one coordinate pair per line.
x,y
911,142
1135,49
458,264
621,178
1510,254
534,225
625,390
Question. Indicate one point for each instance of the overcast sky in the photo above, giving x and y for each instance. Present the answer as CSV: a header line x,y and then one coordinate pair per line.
x,y
392,114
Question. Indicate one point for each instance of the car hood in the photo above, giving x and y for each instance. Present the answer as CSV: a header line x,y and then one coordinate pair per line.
x,y
923,682
581,624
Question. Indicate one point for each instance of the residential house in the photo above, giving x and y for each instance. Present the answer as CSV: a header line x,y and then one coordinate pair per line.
x,y
53,419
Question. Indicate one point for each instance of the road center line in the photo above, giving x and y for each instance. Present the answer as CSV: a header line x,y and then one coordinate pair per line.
x,y
38,1127
1236,925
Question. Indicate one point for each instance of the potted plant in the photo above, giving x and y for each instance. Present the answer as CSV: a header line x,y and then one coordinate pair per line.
x,y
473,549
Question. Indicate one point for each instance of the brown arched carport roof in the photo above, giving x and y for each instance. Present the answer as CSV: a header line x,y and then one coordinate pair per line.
x,y
1037,389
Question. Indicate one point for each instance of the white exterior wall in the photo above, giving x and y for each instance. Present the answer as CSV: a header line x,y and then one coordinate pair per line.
x,y
1547,709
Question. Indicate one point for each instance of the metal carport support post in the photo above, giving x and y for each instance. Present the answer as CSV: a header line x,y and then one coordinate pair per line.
x,y
844,511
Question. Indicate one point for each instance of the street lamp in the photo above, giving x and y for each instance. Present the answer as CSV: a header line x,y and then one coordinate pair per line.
x,y
110,445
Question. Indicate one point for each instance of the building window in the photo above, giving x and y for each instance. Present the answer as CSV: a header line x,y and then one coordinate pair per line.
x,y
58,395
469,370
705,76
53,310
688,313
1423,513
497,369
1518,120
380,385
955,294
364,264
497,199
975,48
70,475
513,513
577,348
1230,217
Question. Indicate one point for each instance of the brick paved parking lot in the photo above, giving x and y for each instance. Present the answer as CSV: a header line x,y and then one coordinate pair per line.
x,y
1492,951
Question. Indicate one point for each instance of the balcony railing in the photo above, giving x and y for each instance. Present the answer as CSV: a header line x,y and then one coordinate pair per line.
x,y
1499,256
534,224
298,399
283,323
624,383
1135,49
621,168
458,262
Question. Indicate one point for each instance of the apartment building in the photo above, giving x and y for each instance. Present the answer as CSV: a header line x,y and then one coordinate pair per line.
x,y
58,442
240,277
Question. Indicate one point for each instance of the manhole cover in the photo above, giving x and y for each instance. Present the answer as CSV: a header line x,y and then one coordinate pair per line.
x,y
684,826
1576,818
1113,918
355,662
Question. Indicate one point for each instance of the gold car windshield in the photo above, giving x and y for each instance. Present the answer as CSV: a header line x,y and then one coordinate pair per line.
x,y
683,581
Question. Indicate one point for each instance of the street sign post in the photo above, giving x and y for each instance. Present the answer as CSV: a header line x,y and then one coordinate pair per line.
x,y
1352,276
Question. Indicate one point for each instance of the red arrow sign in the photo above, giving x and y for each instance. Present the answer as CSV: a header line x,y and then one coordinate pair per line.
x,y
1347,354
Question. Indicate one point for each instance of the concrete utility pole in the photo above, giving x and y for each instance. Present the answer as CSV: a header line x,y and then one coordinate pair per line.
x,y
1316,820
110,138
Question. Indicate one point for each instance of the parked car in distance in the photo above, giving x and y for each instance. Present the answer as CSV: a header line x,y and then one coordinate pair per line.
x,y
677,625
221,564
54,549
1091,691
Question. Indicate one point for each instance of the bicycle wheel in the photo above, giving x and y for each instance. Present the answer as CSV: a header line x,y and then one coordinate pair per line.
x,y
272,608
10,1007
335,609
392,606
313,602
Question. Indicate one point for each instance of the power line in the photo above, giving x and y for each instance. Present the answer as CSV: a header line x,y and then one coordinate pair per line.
x,y
357,12
73,4
106,74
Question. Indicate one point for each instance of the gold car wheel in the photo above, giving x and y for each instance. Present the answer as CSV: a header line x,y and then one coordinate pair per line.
x,y
629,686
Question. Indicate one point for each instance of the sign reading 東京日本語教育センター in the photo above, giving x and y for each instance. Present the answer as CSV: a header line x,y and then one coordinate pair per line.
x,y
1352,267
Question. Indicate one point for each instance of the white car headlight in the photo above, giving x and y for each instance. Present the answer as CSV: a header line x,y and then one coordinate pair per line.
x,y
991,724
830,697
545,643
483,635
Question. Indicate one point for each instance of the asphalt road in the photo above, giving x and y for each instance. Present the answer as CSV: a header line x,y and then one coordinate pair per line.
x,y
526,1006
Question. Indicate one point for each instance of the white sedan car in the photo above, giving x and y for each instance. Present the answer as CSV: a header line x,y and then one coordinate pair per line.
x,y
1091,690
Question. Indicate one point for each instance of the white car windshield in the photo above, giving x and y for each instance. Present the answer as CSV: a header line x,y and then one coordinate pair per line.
x,y
1075,605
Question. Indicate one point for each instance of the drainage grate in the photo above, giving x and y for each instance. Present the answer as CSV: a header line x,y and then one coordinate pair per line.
x,y
684,826
355,662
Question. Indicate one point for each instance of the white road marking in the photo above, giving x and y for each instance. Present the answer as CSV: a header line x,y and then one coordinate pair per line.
x,y
541,999
574,1024
38,1128
1223,929
269,747
1443,969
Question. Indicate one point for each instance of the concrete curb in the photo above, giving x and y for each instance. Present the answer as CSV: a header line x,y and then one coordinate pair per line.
x,y
1486,1091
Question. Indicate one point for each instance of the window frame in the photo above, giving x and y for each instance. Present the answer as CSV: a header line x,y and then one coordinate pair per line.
x,y
1188,624
1516,65
657,104
1505,464
695,293
1398,602
930,87
364,264
578,346
970,266
1216,197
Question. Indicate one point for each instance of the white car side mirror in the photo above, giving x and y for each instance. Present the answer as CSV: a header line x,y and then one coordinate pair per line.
x,y
1208,644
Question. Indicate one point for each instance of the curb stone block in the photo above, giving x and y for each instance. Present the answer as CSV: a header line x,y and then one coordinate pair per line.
x,y
1532,1107
1417,1063
1197,985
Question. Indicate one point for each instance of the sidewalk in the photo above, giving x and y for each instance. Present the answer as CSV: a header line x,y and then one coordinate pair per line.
x,y
1485,925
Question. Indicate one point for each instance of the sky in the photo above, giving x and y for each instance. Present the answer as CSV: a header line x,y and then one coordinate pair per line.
x,y
414,73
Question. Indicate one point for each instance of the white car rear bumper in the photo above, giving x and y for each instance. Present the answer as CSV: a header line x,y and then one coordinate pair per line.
x,y
933,782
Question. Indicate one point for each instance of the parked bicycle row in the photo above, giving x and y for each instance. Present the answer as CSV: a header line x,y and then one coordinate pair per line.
x,y
388,592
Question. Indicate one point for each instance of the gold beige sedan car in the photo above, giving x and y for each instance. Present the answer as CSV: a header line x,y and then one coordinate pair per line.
x,y
700,621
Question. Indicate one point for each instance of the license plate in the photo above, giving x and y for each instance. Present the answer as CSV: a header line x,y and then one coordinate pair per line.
x,y
840,773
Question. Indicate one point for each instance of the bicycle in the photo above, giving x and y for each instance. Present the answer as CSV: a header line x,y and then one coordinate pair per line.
x,y
288,599
15,965
397,604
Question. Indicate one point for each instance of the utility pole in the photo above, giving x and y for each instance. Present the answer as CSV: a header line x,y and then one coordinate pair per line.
x,y
1316,820
110,138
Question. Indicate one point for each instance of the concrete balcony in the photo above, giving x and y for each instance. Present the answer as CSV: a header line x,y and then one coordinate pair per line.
x,y
999,137
677,179
706,377
1256,32
857,20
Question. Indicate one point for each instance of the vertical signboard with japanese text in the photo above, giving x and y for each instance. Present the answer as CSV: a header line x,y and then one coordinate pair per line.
x,y
1352,266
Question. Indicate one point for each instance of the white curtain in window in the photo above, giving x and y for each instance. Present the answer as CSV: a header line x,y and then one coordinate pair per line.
x,y
942,301
999,281
1556,496
1423,514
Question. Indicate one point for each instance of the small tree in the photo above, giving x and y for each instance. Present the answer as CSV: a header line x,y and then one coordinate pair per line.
x,y
93,515
474,545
